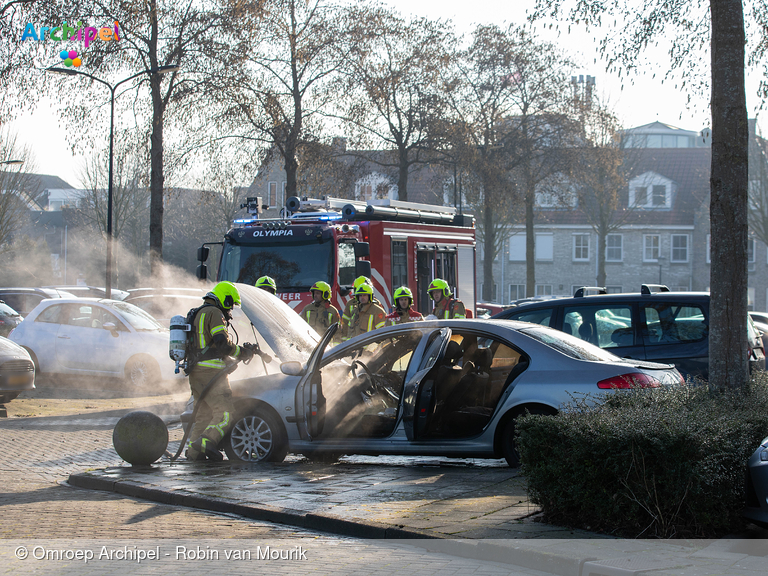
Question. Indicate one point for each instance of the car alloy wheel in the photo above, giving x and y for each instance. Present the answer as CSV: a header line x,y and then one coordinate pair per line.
x,y
256,438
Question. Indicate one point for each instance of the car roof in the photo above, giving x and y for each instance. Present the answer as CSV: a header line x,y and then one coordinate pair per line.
x,y
607,298
49,292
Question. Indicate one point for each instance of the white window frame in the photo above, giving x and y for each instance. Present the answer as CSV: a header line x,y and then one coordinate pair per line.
x,y
753,245
517,245
672,248
517,296
621,247
543,290
271,199
648,180
709,248
540,256
657,248
581,248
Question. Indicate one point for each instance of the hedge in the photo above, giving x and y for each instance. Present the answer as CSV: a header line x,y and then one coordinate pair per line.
x,y
647,463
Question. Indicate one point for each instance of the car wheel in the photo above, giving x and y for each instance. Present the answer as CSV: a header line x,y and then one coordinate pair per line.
x,y
257,437
141,372
508,448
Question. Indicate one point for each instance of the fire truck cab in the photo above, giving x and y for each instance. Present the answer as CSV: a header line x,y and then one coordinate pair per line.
x,y
336,240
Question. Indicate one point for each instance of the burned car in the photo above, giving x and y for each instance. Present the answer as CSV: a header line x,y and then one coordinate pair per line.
x,y
447,388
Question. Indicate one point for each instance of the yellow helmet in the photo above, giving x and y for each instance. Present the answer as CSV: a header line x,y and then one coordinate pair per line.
x,y
364,288
227,295
324,288
360,280
403,292
267,283
439,284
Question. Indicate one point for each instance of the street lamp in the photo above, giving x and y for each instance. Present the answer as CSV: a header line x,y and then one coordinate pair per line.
x,y
112,88
14,162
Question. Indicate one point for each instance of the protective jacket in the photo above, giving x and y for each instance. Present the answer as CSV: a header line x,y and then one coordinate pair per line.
x,y
367,317
212,343
320,315
449,308
399,316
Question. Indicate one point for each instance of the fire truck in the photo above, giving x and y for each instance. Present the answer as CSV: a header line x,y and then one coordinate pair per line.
x,y
336,240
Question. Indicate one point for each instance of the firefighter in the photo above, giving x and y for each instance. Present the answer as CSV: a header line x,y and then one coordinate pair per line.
x,y
349,308
267,283
403,312
368,315
446,307
320,313
211,346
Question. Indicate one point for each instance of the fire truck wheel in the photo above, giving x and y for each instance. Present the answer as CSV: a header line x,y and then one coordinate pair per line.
x,y
141,372
257,437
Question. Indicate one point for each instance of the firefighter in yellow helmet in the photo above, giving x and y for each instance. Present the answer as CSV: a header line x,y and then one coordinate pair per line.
x,y
211,346
320,313
267,283
403,312
446,307
368,315
350,307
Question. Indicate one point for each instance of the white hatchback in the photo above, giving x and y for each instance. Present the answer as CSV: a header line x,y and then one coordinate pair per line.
x,y
96,337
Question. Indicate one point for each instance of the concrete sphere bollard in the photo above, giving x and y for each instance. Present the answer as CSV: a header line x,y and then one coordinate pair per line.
x,y
140,438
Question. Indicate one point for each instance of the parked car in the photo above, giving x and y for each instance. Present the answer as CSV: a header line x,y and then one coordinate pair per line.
x,y
17,372
163,304
87,336
9,319
759,316
486,310
653,324
444,387
756,486
91,291
23,300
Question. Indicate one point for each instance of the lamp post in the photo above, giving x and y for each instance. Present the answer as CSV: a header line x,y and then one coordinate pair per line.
x,y
660,260
14,162
112,88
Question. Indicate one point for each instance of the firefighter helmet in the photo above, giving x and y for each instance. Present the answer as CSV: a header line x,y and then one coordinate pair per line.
x,y
361,280
403,292
227,295
267,283
439,284
364,288
323,287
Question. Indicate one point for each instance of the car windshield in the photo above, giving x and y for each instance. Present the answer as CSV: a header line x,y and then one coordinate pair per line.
x,y
295,266
137,318
570,345
6,311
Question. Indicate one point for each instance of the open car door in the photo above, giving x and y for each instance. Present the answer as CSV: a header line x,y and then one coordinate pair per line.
x,y
419,389
310,402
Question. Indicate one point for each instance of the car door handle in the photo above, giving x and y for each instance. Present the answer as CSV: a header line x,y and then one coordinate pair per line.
x,y
65,337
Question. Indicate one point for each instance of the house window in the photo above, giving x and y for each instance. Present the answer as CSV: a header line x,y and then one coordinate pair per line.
x,y
750,298
751,250
614,248
516,292
659,195
493,295
544,247
581,247
517,248
641,195
679,247
272,194
543,289
651,244
366,192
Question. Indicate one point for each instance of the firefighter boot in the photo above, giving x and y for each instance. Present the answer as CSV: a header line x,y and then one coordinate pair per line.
x,y
206,447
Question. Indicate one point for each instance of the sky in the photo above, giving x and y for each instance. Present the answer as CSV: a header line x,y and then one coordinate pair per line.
x,y
642,99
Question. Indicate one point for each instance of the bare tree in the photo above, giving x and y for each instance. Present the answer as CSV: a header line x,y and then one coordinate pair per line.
x,y
689,26
18,192
390,87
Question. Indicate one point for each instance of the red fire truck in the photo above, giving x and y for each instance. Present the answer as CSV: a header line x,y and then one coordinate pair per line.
x,y
336,240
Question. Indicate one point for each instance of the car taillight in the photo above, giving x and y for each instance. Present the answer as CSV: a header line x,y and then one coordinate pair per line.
x,y
633,380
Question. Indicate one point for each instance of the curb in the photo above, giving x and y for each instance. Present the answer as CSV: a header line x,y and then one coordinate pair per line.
x,y
311,521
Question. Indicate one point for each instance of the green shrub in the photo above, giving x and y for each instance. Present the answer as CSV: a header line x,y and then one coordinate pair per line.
x,y
642,463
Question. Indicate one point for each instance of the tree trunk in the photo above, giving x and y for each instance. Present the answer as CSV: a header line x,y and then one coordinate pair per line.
x,y
600,255
530,247
156,177
402,176
489,234
728,356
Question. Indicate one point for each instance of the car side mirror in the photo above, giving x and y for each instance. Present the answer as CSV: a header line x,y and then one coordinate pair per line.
x,y
111,327
292,368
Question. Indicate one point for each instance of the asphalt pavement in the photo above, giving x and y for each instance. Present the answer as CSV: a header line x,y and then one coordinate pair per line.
x,y
472,512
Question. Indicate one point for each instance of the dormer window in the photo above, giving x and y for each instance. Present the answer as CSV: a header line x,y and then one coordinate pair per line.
x,y
651,191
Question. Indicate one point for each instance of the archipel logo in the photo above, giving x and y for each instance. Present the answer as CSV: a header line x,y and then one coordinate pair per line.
x,y
65,32
70,58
